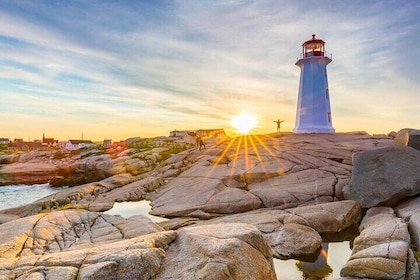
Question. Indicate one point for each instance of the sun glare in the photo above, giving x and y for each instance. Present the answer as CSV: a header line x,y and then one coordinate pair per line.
x,y
244,123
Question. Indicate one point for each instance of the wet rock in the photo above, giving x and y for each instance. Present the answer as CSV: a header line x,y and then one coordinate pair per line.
x,y
295,241
383,176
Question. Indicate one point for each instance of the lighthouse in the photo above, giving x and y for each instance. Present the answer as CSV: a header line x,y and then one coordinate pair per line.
x,y
313,114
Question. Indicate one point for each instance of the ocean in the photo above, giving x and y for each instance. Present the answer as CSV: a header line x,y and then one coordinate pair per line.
x,y
17,195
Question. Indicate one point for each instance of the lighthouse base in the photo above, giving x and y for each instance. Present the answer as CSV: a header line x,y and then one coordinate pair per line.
x,y
314,130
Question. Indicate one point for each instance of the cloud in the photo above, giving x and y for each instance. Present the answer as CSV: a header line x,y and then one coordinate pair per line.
x,y
202,61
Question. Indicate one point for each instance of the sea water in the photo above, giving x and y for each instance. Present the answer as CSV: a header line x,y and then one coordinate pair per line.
x,y
17,195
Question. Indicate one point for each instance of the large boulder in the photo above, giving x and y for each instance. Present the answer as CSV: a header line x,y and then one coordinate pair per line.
x,y
218,251
408,137
383,176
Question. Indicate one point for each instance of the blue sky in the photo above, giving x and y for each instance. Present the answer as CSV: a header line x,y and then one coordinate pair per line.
x,y
117,69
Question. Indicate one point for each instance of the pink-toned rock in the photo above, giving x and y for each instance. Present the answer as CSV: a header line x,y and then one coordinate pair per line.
x,y
226,251
191,196
293,189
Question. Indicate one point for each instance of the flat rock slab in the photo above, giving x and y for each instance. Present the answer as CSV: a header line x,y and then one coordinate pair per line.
x,y
297,188
253,172
195,196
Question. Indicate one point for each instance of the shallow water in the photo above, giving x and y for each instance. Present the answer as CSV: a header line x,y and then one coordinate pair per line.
x,y
338,253
17,195
128,209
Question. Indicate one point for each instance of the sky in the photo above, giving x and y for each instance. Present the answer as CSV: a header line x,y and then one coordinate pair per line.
x,y
119,69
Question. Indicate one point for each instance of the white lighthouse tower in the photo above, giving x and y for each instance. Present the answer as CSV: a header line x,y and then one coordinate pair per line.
x,y
313,113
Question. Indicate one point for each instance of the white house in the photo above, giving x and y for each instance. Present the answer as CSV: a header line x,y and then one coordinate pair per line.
x,y
78,144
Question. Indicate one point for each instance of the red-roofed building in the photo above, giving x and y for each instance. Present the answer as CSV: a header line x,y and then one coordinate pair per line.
x,y
25,146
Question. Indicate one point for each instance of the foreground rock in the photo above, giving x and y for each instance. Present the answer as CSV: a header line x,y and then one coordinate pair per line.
x,y
236,198
409,210
78,244
383,176
215,251
72,243
408,137
295,233
382,250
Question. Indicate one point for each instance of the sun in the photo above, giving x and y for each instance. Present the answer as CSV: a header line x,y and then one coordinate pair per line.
x,y
244,123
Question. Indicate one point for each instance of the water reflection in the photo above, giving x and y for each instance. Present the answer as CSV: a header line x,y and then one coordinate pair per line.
x,y
318,270
338,254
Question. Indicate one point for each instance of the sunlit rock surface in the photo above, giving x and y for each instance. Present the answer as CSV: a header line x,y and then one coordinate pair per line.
x,y
78,244
226,251
408,137
383,176
275,195
295,233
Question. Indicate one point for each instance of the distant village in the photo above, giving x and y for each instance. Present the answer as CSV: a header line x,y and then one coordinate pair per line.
x,y
49,143
46,143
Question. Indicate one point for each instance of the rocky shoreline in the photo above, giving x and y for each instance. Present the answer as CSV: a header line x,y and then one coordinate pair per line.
x,y
232,208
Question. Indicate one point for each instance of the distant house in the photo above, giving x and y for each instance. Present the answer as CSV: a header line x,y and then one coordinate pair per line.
x,y
25,146
50,142
78,144
107,143
181,133
4,141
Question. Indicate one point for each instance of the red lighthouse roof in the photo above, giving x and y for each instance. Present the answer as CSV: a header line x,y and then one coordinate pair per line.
x,y
313,47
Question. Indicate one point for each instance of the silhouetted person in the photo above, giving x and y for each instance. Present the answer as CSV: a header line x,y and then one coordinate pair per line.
x,y
278,122
202,144
197,140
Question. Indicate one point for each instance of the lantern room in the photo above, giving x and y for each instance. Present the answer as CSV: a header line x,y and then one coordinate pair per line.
x,y
314,47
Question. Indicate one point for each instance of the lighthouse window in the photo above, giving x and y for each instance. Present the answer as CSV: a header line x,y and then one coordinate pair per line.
x,y
329,117
327,93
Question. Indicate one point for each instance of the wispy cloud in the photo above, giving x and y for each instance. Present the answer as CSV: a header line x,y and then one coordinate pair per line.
x,y
167,65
